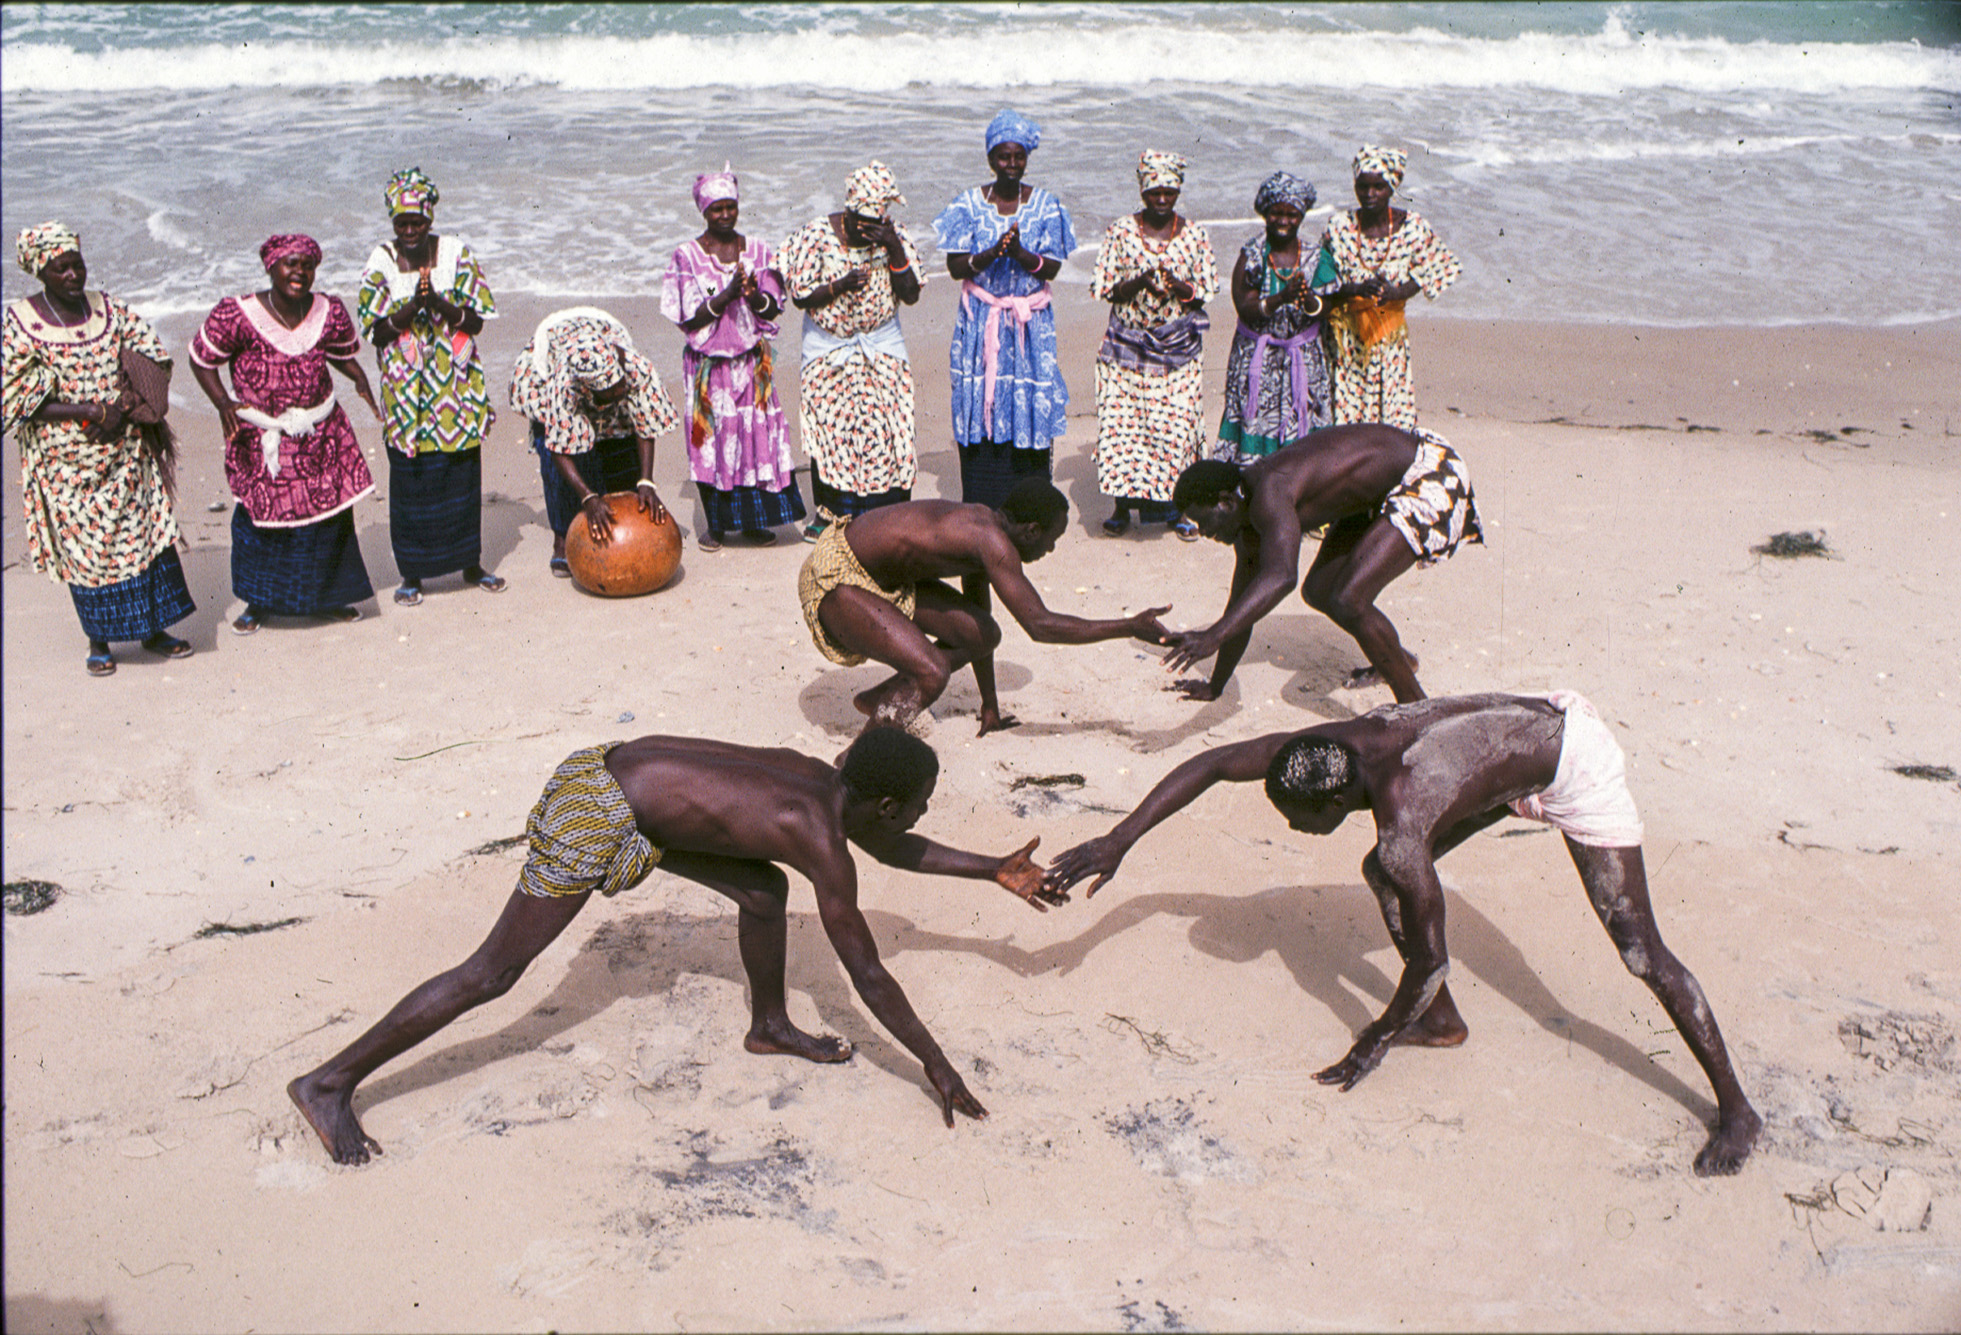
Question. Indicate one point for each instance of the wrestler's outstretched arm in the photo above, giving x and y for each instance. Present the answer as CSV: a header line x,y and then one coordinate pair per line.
x,y
1278,569
1242,762
1406,862
1245,560
1017,873
827,862
1010,581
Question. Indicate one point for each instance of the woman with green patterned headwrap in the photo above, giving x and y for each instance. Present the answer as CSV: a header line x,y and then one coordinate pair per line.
x,y
423,301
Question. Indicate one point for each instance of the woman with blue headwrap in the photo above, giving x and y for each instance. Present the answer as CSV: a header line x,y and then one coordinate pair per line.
x,y
1276,377
1004,242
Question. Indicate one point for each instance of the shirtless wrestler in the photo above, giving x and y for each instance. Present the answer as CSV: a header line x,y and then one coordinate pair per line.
x,y
1390,498
1433,774
722,816
873,588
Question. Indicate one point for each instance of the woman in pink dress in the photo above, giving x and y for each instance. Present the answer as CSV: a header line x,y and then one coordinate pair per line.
x,y
291,458
723,290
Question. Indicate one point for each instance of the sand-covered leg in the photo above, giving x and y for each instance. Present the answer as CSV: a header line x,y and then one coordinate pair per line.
x,y
325,1095
1617,885
1439,1025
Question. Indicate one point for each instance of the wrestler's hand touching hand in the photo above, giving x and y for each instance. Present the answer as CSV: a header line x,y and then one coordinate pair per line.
x,y
1190,648
1098,857
952,1091
1027,879
1145,626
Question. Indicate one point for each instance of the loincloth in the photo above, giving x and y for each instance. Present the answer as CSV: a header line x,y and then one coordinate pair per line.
x,y
582,833
832,563
1587,799
1432,506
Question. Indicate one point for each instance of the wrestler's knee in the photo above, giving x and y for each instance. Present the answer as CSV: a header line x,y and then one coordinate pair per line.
x,y
1345,606
765,890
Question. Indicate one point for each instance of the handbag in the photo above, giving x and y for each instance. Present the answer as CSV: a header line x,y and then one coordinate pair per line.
x,y
145,399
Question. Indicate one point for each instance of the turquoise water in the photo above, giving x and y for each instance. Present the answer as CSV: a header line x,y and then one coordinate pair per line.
x,y
1659,164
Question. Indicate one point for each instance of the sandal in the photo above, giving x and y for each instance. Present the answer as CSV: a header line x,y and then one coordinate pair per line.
x,y
1186,530
758,537
709,542
1116,526
561,569
168,646
815,529
408,596
492,583
246,624
101,665
340,616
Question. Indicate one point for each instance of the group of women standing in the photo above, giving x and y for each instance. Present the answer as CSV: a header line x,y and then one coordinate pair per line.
x,y
1320,339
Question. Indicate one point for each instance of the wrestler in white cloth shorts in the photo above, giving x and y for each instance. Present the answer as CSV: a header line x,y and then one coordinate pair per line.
x,y
1588,798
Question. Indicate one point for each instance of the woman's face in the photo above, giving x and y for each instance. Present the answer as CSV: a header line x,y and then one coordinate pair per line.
x,y
411,230
1009,161
66,275
1372,191
721,217
292,275
1283,224
1159,200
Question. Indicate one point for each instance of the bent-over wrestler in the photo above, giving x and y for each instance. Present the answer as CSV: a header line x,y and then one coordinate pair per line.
x,y
1390,498
1433,774
872,589
722,816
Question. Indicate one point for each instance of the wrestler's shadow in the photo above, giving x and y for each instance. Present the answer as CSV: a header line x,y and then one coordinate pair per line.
x,y
1318,657
643,955
1323,934
826,700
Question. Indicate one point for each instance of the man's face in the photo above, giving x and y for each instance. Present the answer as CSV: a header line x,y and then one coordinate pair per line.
x,y
1032,544
1220,521
1313,819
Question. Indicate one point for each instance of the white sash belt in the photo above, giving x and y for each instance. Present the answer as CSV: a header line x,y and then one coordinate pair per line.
x,y
293,422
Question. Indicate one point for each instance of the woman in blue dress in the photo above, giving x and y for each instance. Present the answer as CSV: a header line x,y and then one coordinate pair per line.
x,y
1004,241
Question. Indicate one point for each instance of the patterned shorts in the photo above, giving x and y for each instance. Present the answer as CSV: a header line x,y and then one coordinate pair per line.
x,y
1432,507
830,564
582,833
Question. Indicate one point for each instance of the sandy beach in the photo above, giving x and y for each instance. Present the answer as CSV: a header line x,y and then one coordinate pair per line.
x,y
260,849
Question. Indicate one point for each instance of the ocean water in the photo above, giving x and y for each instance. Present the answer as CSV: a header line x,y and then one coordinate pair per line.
x,y
1666,164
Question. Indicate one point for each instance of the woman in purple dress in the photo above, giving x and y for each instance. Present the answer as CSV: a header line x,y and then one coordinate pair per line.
x,y
291,458
723,290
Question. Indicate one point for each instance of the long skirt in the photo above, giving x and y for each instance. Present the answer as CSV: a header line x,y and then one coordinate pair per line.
x,y
612,464
991,469
750,508
435,511
1147,429
296,572
138,607
843,503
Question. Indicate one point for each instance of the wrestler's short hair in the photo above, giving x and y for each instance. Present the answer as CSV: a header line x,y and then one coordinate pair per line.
x,y
1206,482
1035,500
889,762
1310,771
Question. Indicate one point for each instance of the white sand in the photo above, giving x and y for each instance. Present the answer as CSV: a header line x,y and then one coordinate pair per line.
x,y
596,1151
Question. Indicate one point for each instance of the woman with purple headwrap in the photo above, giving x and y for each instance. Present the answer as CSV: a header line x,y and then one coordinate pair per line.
x,y
723,290
1385,256
1005,242
1276,376
423,301
93,451
291,458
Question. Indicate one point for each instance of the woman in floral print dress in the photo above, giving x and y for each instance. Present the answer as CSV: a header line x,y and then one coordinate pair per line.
x,y
98,509
849,273
1157,271
1384,256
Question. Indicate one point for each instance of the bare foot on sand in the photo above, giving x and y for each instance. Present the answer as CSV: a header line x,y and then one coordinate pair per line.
x,y
781,1038
331,1115
1735,1136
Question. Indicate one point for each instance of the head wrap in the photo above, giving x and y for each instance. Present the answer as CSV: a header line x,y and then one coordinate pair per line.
x,y
35,246
286,245
1284,188
595,365
1159,170
409,191
713,187
1011,127
872,190
1388,163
